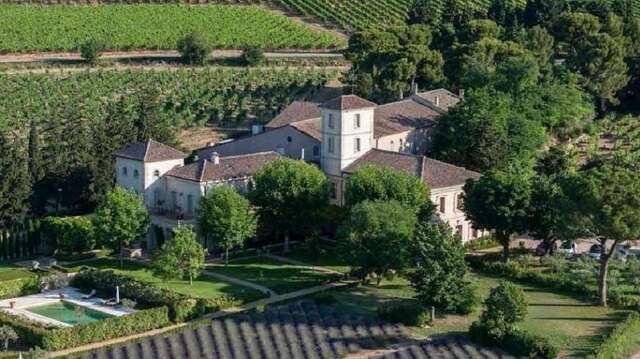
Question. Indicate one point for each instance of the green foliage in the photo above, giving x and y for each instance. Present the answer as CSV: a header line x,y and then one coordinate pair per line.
x,y
15,186
499,201
374,228
521,342
181,307
226,217
18,287
618,344
181,257
31,333
407,313
504,308
481,243
439,270
253,55
120,219
7,334
26,28
90,50
289,195
69,234
138,322
372,183
194,49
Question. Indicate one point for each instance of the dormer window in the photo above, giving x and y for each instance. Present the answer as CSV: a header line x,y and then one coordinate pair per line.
x,y
156,173
356,121
125,172
136,174
330,120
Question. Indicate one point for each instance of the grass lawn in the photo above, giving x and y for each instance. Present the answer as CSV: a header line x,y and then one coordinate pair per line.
x,y
10,271
204,286
575,326
325,256
275,275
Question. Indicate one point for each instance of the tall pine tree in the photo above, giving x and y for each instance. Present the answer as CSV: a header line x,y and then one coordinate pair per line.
x,y
15,184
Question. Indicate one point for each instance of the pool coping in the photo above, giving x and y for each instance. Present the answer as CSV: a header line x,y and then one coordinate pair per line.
x,y
71,295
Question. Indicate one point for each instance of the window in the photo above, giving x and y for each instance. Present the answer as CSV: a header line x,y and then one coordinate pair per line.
x,y
356,145
474,233
331,145
316,151
174,200
331,124
401,144
136,174
460,201
334,190
356,121
124,171
459,229
190,204
288,138
442,204
156,173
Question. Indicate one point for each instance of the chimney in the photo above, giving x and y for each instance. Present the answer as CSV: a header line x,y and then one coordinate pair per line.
x,y
211,144
461,93
302,154
215,158
438,101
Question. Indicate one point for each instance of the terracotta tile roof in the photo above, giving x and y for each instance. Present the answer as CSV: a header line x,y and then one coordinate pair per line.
x,y
150,151
311,127
228,168
402,116
441,98
296,111
347,102
434,173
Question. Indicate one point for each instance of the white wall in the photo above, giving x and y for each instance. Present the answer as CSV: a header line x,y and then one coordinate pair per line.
x,y
413,142
154,185
129,180
183,189
453,216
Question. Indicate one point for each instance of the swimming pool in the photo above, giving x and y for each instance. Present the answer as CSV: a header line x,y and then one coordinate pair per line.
x,y
69,313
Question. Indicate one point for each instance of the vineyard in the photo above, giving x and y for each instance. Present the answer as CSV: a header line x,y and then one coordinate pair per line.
x,y
189,96
31,28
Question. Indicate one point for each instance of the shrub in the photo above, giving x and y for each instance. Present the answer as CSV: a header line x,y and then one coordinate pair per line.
x,y
481,243
31,333
194,49
19,287
407,313
106,329
69,234
253,55
520,342
619,344
505,306
90,50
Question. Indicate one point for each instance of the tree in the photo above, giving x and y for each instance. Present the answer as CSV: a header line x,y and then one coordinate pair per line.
x,y
90,50
438,258
181,257
289,195
7,334
253,55
375,238
375,183
15,184
499,201
486,132
69,234
606,203
505,306
227,217
194,49
120,219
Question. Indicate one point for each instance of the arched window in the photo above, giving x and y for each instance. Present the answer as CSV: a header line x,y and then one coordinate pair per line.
x,y
136,174
124,171
156,173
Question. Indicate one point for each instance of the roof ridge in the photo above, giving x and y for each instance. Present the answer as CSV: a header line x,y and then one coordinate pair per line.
x,y
400,101
262,153
398,153
147,145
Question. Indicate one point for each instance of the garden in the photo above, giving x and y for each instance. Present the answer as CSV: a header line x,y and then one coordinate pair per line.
x,y
26,28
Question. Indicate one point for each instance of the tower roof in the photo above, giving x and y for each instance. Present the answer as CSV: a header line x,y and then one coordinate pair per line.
x,y
347,102
150,151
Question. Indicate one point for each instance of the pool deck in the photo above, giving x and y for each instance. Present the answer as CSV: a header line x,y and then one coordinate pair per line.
x,y
71,295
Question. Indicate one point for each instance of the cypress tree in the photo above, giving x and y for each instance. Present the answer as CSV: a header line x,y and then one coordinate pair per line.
x,y
15,184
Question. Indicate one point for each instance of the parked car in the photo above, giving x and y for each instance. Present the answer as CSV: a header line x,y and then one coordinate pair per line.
x,y
542,249
595,251
621,252
569,249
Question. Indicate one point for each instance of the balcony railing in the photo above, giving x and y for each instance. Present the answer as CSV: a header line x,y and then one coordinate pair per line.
x,y
177,214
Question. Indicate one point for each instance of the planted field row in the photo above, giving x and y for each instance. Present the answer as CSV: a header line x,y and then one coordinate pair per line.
x,y
32,28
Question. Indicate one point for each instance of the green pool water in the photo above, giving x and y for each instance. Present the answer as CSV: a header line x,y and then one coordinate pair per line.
x,y
69,313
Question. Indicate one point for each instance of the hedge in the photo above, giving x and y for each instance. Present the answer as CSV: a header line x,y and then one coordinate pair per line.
x,y
559,281
622,342
19,287
34,334
138,322
181,307
407,313
519,342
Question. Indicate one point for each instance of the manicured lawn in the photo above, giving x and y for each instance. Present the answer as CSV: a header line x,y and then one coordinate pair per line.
x,y
204,286
275,275
325,256
11,271
575,326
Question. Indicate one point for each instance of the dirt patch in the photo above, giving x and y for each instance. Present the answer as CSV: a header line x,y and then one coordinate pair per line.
x,y
198,137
